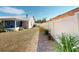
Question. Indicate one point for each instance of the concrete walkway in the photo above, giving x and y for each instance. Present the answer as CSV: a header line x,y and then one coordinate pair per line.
x,y
45,45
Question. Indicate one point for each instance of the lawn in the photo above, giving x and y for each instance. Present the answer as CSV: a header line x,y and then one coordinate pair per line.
x,y
25,40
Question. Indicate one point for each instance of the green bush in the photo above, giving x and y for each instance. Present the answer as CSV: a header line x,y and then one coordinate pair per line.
x,y
2,27
68,43
3,30
46,32
34,25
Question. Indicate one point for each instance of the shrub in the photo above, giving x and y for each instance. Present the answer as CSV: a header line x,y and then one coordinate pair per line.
x,y
2,27
68,43
34,25
3,30
46,32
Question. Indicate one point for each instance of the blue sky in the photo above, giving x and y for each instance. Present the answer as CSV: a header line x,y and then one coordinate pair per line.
x,y
38,11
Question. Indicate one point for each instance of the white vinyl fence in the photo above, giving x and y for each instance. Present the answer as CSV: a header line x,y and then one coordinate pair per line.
x,y
69,25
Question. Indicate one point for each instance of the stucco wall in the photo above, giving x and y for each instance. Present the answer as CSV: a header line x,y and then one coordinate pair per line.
x,y
28,24
25,24
31,23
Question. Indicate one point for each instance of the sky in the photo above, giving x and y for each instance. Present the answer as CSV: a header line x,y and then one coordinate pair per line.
x,y
39,12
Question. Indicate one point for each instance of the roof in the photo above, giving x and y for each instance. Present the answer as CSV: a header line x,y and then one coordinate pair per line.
x,y
19,18
69,13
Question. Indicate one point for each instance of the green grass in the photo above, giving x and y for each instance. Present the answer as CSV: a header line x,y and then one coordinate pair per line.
x,y
19,41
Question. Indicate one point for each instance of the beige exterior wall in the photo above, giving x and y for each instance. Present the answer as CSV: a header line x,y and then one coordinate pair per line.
x,y
31,23
25,24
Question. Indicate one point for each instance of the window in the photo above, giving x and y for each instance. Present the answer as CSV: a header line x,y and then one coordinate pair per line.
x,y
19,23
9,24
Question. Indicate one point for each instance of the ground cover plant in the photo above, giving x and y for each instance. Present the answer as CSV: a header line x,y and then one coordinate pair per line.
x,y
68,43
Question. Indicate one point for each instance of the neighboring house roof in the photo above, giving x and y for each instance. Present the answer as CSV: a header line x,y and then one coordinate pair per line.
x,y
19,18
69,13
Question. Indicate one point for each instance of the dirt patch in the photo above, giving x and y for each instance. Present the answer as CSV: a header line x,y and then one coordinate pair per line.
x,y
25,40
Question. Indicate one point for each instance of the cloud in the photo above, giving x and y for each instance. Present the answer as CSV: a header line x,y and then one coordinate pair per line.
x,y
11,10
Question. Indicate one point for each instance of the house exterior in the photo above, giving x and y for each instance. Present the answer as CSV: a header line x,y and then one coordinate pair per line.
x,y
66,23
17,22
